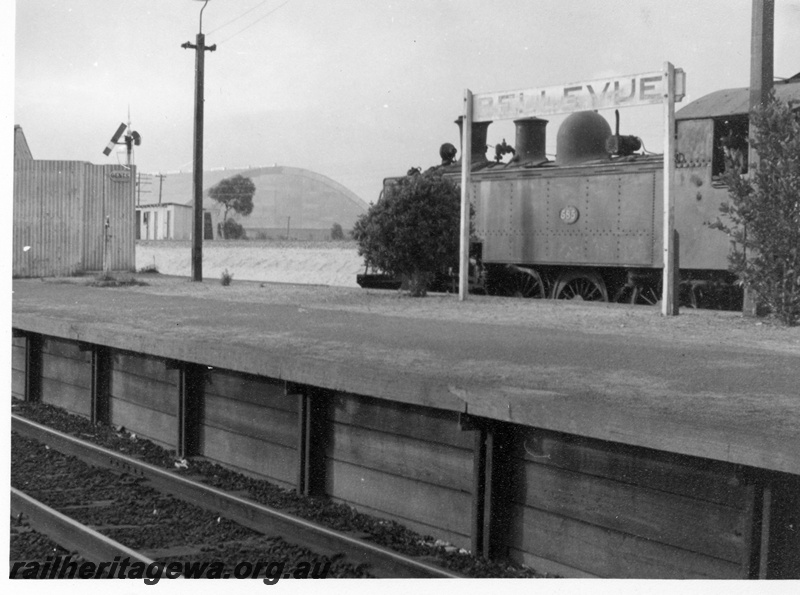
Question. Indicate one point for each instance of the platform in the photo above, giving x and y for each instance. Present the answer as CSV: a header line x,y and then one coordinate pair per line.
x,y
705,384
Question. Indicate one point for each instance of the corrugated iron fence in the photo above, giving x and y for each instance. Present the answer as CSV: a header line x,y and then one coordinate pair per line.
x,y
60,214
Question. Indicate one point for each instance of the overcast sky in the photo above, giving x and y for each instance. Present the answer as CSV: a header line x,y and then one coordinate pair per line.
x,y
353,89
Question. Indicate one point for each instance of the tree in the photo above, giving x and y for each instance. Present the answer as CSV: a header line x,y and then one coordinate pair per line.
x,y
764,212
234,194
413,229
337,233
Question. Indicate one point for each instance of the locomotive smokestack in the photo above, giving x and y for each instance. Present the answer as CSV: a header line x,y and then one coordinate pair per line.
x,y
530,141
479,130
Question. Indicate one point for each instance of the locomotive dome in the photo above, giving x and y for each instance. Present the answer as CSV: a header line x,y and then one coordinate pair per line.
x,y
582,137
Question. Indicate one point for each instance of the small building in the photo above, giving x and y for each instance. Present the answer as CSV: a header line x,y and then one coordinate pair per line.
x,y
165,221
70,217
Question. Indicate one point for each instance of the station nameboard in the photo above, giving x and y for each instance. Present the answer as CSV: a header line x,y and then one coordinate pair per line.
x,y
120,175
622,91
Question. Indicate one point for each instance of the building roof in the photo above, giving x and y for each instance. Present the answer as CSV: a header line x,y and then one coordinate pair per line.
x,y
154,205
733,102
21,148
311,200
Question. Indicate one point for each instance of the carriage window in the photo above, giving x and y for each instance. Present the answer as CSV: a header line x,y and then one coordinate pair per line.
x,y
730,144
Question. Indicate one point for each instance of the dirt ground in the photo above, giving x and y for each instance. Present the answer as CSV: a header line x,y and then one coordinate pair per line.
x,y
336,264
703,327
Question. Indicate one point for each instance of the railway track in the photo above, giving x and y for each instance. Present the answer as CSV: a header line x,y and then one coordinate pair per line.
x,y
351,556
71,535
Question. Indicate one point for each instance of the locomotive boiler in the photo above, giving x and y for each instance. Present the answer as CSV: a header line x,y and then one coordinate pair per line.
x,y
588,224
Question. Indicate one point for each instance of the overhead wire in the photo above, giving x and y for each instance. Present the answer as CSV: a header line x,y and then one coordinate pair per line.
x,y
234,19
254,22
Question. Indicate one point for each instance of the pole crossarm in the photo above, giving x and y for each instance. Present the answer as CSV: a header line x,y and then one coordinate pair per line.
x,y
209,48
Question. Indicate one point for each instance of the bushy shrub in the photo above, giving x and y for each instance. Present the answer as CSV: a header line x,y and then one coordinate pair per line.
x,y
233,231
149,269
337,233
763,216
413,229
226,278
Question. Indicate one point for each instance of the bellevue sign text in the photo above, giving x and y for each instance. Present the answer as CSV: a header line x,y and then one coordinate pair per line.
x,y
628,91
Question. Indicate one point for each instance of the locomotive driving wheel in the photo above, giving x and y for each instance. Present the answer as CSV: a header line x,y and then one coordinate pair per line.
x,y
584,286
644,294
525,283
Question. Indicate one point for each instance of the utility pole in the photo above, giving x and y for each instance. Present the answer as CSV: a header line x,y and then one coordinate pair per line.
x,y
197,179
160,185
762,41
761,56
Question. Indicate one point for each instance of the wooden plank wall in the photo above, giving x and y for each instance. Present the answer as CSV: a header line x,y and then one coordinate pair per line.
x,y
144,397
562,504
585,507
398,461
250,423
67,376
18,367
60,209
48,208
107,196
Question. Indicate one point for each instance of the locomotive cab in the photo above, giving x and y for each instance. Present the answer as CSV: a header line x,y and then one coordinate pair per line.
x,y
730,145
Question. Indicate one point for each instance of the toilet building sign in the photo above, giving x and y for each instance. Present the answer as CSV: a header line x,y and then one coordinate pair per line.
x,y
625,91
120,175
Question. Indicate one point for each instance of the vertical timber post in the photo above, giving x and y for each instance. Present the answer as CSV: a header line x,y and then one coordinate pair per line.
x,y
479,502
762,35
676,267
190,396
491,481
310,441
101,382
466,167
766,521
669,302
33,367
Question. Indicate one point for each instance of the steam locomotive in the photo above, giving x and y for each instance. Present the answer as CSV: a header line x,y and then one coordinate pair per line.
x,y
588,225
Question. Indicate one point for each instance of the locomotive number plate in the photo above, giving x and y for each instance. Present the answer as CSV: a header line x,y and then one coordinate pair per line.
x,y
569,214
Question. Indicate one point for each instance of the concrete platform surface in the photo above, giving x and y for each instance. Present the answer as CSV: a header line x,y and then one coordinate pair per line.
x,y
708,384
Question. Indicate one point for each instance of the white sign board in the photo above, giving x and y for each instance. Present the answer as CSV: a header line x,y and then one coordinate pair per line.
x,y
625,91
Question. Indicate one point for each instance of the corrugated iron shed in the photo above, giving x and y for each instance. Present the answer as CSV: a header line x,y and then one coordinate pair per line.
x,y
733,102
21,148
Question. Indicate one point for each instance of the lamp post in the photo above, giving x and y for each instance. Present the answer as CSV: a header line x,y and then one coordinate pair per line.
x,y
197,178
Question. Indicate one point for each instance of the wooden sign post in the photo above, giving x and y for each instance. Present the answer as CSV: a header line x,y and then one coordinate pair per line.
x,y
669,303
466,168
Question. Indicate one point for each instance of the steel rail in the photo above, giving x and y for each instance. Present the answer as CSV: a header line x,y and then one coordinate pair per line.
x,y
382,562
69,533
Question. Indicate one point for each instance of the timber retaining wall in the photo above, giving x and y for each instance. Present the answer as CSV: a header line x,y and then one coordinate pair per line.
x,y
560,503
